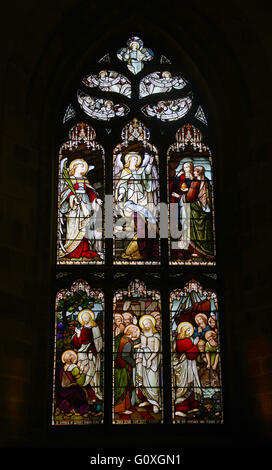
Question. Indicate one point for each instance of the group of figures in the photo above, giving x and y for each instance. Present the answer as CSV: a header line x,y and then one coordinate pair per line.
x,y
192,207
169,110
196,376
137,355
99,108
79,357
137,361
136,204
109,80
160,82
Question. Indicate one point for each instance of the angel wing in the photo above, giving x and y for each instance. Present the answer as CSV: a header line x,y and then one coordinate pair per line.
x,y
91,81
62,188
118,166
62,179
154,176
146,159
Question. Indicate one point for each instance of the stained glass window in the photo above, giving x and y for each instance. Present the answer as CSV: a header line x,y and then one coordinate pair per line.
x,y
135,239
98,108
196,358
137,355
135,54
192,237
69,113
109,80
168,110
79,355
80,198
160,82
200,115
136,197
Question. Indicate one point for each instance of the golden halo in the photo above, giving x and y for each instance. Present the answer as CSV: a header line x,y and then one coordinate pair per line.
x,y
187,325
68,351
133,154
207,334
90,312
150,318
76,162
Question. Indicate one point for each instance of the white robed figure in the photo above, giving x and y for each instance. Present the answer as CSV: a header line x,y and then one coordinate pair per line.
x,y
148,364
80,207
136,192
88,342
137,186
186,379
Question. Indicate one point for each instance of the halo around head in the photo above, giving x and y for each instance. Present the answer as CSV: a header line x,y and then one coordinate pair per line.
x,y
133,154
187,325
68,351
80,161
90,312
144,317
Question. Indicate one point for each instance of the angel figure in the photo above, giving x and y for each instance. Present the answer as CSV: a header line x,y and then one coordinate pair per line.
x,y
169,110
109,80
160,82
79,208
135,54
136,199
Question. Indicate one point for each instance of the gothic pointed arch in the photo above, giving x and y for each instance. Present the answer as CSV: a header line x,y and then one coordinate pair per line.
x,y
134,120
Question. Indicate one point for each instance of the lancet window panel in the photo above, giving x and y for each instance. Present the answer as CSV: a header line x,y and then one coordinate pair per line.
x,y
137,355
196,355
136,197
191,200
81,199
78,390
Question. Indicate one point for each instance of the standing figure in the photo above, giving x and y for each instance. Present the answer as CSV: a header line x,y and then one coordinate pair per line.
x,y
136,195
202,327
148,366
124,364
79,206
199,196
211,348
180,186
118,325
88,342
187,383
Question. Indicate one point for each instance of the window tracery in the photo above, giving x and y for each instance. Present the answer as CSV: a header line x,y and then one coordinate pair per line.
x,y
134,266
